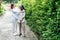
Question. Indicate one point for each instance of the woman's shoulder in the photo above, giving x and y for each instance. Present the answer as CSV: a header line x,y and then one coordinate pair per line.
x,y
16,9
24,10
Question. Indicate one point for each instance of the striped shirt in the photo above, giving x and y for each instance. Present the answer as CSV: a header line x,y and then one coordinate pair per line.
x,y
22,16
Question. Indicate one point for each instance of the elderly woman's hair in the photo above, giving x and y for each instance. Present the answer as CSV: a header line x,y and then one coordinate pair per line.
x,y
22,7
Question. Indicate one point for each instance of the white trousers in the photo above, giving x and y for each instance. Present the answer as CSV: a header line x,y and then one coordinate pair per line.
x,y
14,25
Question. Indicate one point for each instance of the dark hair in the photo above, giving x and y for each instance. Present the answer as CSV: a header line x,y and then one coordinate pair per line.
x,y
12,5
22,7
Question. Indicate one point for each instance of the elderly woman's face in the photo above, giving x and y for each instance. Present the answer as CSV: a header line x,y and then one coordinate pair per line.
x,y
12,6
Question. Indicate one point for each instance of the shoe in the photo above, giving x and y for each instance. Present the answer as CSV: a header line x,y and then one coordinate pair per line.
x,y
15,34
20,34
24,36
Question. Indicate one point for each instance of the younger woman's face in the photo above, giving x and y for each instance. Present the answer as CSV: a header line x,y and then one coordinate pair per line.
x,y
21,8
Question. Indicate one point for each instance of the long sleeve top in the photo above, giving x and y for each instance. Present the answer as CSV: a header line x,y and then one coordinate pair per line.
x,y
22,16
16,13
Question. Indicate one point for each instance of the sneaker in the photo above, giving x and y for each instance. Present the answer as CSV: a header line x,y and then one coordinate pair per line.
x,y
20,34
24,36
15,34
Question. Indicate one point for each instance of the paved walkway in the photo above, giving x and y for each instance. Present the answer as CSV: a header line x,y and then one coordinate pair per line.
x,y
6,29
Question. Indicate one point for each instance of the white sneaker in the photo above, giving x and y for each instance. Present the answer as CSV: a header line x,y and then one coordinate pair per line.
x,y
15,34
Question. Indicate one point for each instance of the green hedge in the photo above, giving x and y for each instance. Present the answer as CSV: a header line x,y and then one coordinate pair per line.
x,y
10,1
2,10
43,17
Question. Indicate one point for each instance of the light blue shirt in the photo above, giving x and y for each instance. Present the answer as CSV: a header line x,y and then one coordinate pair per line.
x,y
16,13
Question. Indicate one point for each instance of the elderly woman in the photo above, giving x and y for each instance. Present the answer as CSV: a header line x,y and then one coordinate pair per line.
x,y
15,17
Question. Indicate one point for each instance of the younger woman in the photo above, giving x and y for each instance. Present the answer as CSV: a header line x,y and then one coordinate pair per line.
x,y
22,20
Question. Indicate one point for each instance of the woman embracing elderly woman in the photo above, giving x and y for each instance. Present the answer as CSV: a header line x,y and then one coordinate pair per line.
x,y
21,21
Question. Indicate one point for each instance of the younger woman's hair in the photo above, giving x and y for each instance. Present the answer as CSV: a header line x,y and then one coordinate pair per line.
x,y
12,6
22,7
